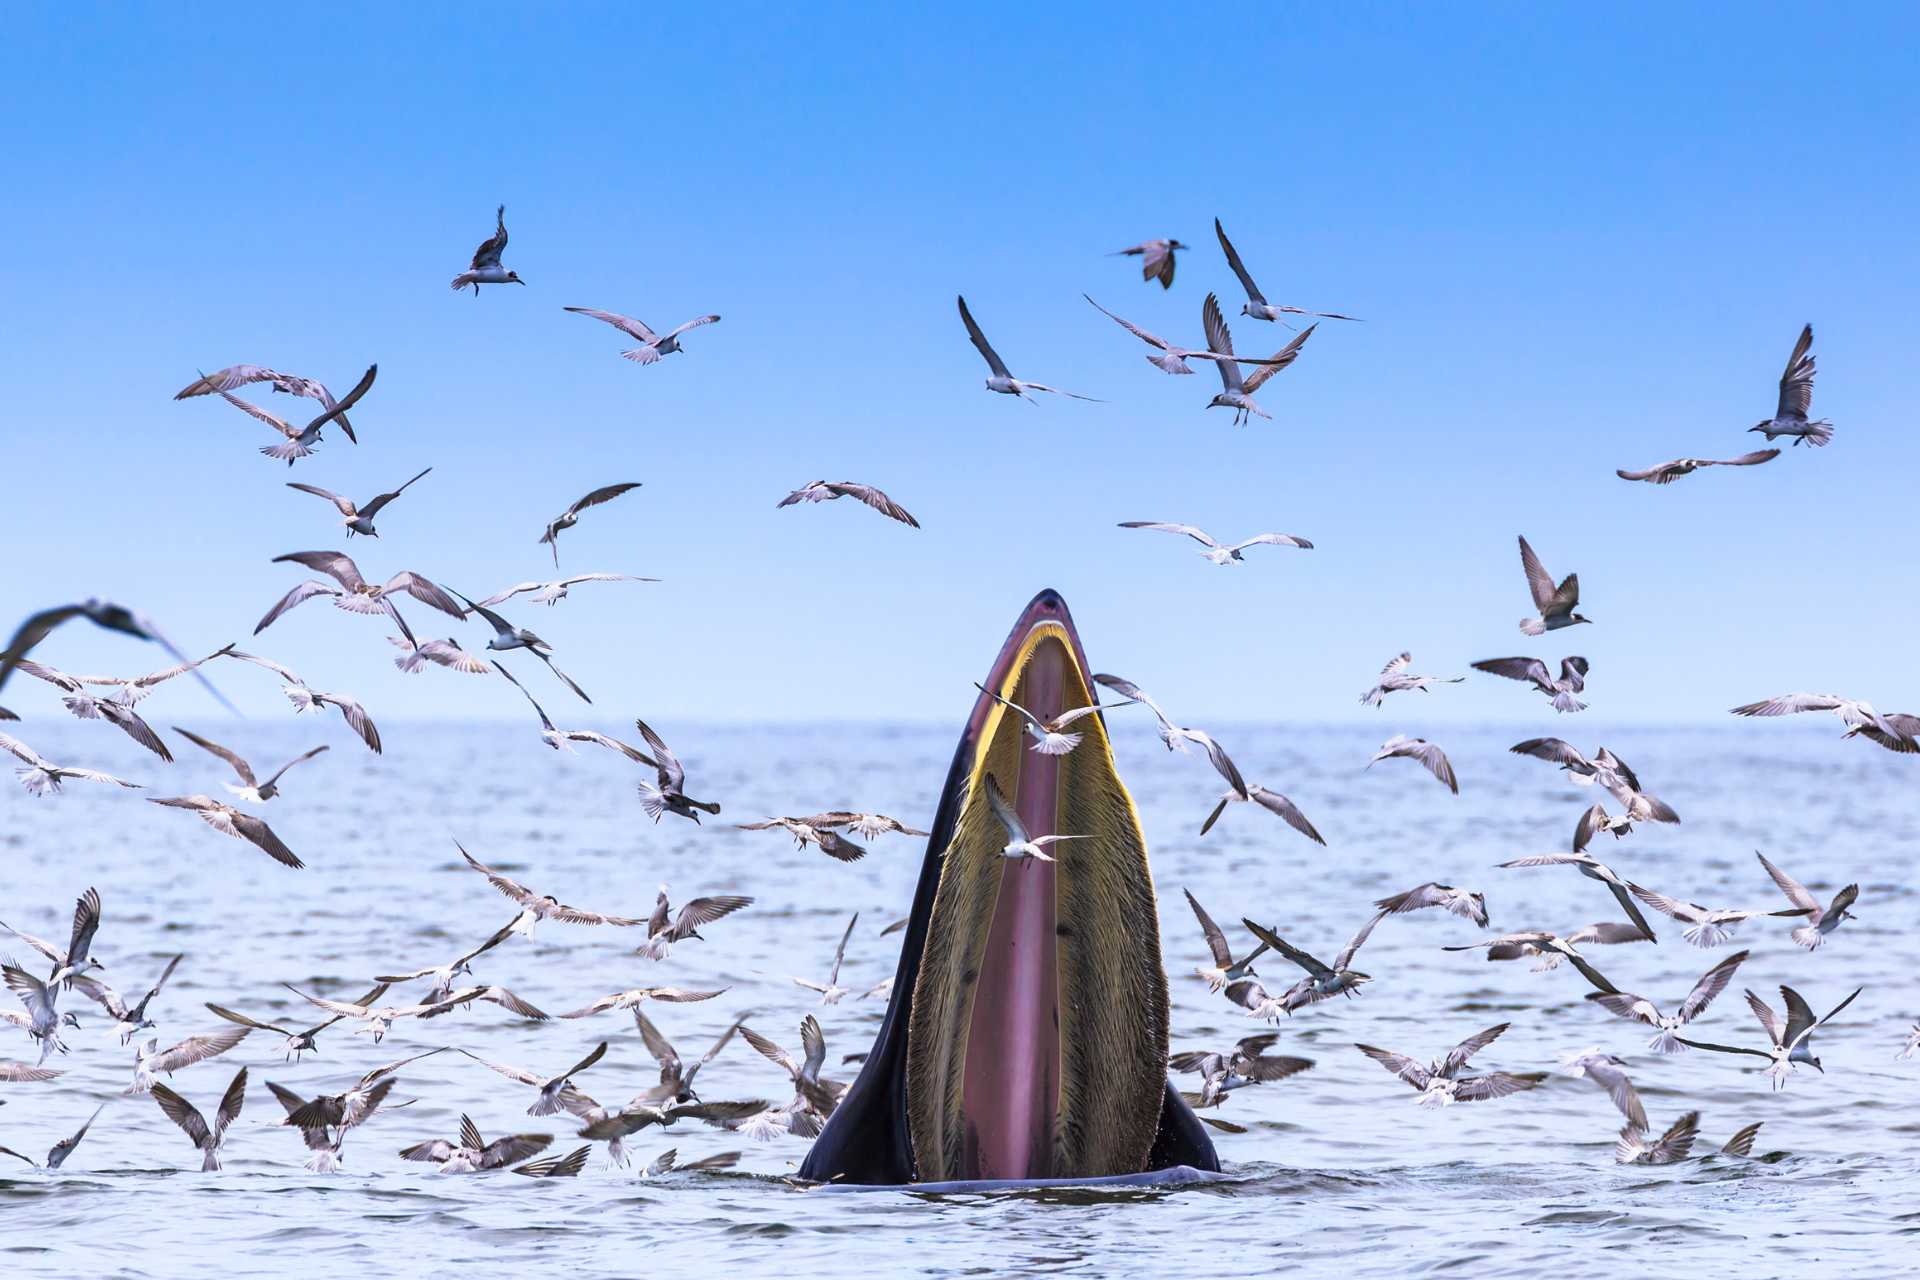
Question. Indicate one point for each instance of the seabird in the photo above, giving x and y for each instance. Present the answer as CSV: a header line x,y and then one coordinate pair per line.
x,y
667,793
1707,927
354,593
664,928
571,516
1895,732
75,960
129,1020
827,490
1171,359
1257,306
677,1075
86,705
1633,1147
441,653
1216,551
1273,802
1225,969
150,1061
235,376
1547,949
1323,981
228,820
299,441
323,1142
1460,902
1611,774
1156,259
1430,757
444,974
379,1019
1002,381
205,1138
474,1154
57,1155
637,996
831,990
1020,844
252,789
507,637
1791,1043
553,1089
306,698
297,1042
535,907
814,1095
104,614
1605,1070
1821,921
1668,472
1177,738
1557,605
869,826
1236,391
41,776
668,1162
1394,679
1245,1064
42,1020
1573,678
1624,1004
23,1072
1796,399
1593,869
652,345
1049,736
552,593
486,268
805,832
357,519
1440,1083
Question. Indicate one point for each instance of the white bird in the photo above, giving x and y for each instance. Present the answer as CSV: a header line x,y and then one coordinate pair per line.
x,y
1604,1069
1634,1146
1049,736
1172,359
42,1020
1394,679
506,637
1796,399
87,705
306,698
1224,969
1156,259
1625,1004
41,776
1573,678
1430,757
75,960
1593,869
1001,380
129,1020
353,592
1440,1083
205,1138
805,831
561,739
535,907
1216,551
1273,802
665,927
1668,472
473,1153
552,593
57,1156
1706,926
379,1019
230,821
1790,1043
556,1091
1821,921
1236,392
1557,605
150,1061
1019,843
235,376
300,441
357,519
1257,306
443,975
442,653
827,490
831,991
486,268
1895,732
571,516
1460,902
252,790
652,345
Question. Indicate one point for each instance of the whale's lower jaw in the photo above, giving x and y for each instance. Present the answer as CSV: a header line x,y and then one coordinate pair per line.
x,y
1027,1038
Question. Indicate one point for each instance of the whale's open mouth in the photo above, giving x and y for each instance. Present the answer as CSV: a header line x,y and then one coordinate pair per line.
x,y
1028,1032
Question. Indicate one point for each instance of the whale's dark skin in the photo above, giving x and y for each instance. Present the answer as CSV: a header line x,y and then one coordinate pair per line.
x,y
868,1139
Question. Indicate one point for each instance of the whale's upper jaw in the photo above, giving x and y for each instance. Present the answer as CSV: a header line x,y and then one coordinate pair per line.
x,y
1027,1036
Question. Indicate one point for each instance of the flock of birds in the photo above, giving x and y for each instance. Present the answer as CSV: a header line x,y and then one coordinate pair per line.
x,y
47,1003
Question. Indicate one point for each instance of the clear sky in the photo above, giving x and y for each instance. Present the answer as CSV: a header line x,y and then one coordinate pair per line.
x,y
1581,238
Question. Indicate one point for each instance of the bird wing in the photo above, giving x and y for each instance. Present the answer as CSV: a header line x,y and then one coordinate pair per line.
x,y
1224,766
672,774
260,834
1753,459
1573,673
1458,1055
339,408
1496,1084
691,324
1435,761
840,952
299,595
980,343
1677,1141
704,911
1345,958
1287,949
1216,940
488,254
1552,750
1009,818
1133,692
510,592
230,1103
770,1051
334,564
1200,536
1275,803
1134,329
1796,892
1741,1143
240,766
1272,540
1688,912
198,1049
1769,1021
1239,268
877,500
1788,703
425,591
1529,669
1414,1073
513,889
1539,582
184,1114
1278,360
86,923
520,1074
513,1148
625,324
606,493
343,505
373,508
1665,473
1710,985
1796,383
1220,342
299,759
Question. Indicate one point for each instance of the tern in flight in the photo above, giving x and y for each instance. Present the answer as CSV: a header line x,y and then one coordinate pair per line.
x,y
1791,1043
1049,736
299,441
1020,844
1257,306
1002,381
1557,605
357,519
827,490
1236,392
235,376
1668,472
486,268
571,516
1796,400
1394,678
1573,678
652,345
1212,548
1172,359
1156,259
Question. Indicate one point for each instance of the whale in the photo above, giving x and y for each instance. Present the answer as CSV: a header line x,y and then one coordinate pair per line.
x,y
1026,1038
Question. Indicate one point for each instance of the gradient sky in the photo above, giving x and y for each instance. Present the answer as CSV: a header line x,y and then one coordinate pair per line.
x,y
1580,239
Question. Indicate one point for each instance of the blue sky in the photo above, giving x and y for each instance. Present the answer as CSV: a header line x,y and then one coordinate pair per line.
x,y
1581,240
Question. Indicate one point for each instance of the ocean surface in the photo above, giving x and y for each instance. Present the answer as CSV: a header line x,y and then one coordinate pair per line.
x,y
1341,1170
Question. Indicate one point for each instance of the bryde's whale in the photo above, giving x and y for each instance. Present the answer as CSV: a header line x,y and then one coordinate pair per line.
x,y
1027,1034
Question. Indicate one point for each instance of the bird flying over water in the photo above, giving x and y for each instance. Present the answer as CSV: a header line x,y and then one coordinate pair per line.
x,y
205,1138
552,593
473,1153
306,698
1020,843
1216,551
252,789
1573,678
1273,802
664,927
1593,869
353,592
827,490
104,614
486,268
1225,969
357,519
76,959
1460,902
129,1020
652,345
1247,1063
1668,472
506,637
228,820
1394,679
1323,981
1796,400
571,516
535,907
1156,259
1557,605
831,991
1256,305
1605,1070
57,1155
1430,757
805,832
1001,380
1896,732
1791,1043
1440,1082
1821,920
667,793
1624,1004
1049,736
1707,926
87,705
41,776
150,1061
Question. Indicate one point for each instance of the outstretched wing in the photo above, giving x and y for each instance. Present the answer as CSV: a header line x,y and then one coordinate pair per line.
x,y
1239,268
1796,383
980,342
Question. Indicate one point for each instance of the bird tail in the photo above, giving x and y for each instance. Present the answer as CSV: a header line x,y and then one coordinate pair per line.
x,y
1533,627
1809,937
1373,697
211,1164
1566,702
1707,935
1057,744
652,801
1666,1042
287,451
1818,434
